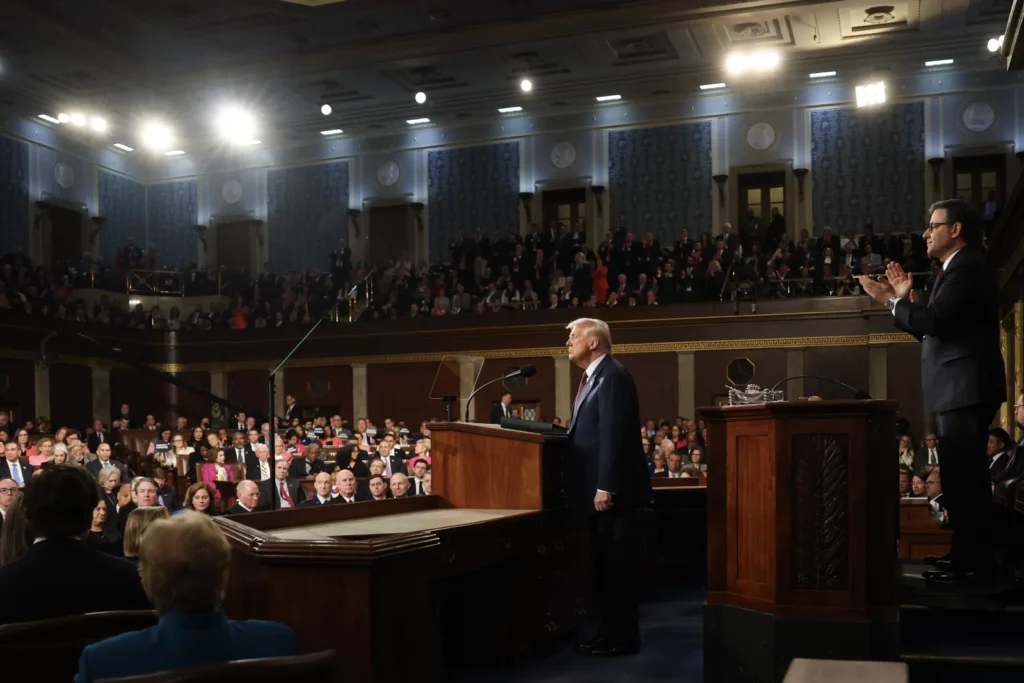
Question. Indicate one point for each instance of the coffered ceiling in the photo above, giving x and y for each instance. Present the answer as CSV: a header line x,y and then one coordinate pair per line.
x,y
181,59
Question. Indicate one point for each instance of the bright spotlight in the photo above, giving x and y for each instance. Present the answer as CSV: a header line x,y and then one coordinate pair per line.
x,y
156,136
63,118
735,64
993,45
526,85
98,124
77,119
421,97
872,93
236,125
326,110
47,117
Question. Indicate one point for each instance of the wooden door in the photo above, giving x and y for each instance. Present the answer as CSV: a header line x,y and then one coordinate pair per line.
x,y
762,192
568,207
66,244
234,246
978,177
391,236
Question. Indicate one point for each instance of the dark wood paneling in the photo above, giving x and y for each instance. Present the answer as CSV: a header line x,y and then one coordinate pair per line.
x,y
847,364
903,367
71,396
181,402
19,398
657,382
709,378
338,398
146,395
248,388
402,391
540,387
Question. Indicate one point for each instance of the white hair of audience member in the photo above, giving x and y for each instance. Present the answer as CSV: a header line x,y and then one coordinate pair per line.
x,y
261,447
106,473
595,329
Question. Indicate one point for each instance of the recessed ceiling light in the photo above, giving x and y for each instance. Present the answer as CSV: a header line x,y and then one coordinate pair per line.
x,y
98,124
526,85
254,142
77,119
126,148
413,122
326,110
156,136
509,110
236,125
332,131
63,118
421,97
872,93
994,44
47,117
939,62
608,98
822,74
712,86
742,63
175,153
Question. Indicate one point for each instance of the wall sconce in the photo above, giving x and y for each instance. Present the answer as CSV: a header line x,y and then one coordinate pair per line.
x,y
598,192
526,199
936,165
353,219
417,211
720,181
800,174
201,234
97,226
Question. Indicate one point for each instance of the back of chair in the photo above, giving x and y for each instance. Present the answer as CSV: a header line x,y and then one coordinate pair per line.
x,y
318,667
52,646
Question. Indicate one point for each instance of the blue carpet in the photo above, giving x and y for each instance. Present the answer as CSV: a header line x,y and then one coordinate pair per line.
x,y
671,628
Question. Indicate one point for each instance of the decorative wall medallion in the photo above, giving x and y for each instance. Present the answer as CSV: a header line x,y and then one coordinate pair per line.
x,y
388,173
231,191
563,155
64,175
978,117
761,136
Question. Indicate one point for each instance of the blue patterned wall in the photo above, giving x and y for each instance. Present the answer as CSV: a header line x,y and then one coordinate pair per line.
x,y
172,211
470,188
14,215
868,166
307,213
122,201
660,179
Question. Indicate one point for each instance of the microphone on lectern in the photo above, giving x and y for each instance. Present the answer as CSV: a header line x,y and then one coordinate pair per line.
x,y
525,371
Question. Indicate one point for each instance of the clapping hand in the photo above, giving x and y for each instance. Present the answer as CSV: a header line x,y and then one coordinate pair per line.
x,y
900,281
879,290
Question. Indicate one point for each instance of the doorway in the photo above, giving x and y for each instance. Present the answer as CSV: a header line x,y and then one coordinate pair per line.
x,y
568,207
762,192
66,245
390,233
977,176
234,246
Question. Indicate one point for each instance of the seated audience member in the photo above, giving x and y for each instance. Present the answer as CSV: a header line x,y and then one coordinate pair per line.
x,y
392,458
322,488
908,457
999,443
103,460
309,464
11,466
100,537
421,450
931,449
376,467
399,485
282,490
160,446
247,498
216,470
933,487
657,468
178,449
8,492
138,521
675,466
198,438
419,468
260,470
199,497
185,564
697,460
917,487
60,457
41,452
377,488
427,480
143,494
109,479
14,539
165,494
77,455
905,476
58,507
345,488
350,458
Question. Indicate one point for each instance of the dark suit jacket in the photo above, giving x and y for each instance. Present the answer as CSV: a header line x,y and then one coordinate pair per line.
x,y
94,440
5,471
497,414
184,640
961,365
168,497
122,516
998,469
298,468
269,488
247,454
397,464
416,487
237,509
604,450
315,500
95,466
47,564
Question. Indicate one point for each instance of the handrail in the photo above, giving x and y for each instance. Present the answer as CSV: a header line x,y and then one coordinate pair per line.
x,y
161,282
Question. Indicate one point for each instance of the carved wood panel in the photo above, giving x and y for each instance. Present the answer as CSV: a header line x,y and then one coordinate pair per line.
x,y
820,520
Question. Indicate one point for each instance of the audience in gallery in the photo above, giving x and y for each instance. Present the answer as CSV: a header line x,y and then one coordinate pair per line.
x,y
485,272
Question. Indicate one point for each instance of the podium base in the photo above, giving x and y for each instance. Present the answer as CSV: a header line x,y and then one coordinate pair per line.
x,y
746,646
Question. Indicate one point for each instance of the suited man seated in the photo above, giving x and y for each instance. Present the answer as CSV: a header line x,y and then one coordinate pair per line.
x,y
103,460
501,408
12,468
185,565
322,488
933,488
259,469
998,450
247,498
308,465
239,450
99,435
286,492
399,486
8,492
419,471
378,489
165,494
392,457
58,506
674,465
345,488
144,492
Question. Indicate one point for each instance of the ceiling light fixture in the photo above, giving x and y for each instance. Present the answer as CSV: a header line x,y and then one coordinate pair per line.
x,y
526,85
63,118
939,62
712,86
254,142
47,117
509,110
156,136
332,131
421,97
98,124
413,122
126,148
608,98
741,63
822,74
326,110
175,153
77,119
870,94
236,125
995,44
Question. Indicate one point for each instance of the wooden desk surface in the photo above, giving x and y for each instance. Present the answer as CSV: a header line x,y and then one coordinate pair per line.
x,y
404,523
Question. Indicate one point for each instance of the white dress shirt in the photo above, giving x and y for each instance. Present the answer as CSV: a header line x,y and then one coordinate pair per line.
x,y
933,456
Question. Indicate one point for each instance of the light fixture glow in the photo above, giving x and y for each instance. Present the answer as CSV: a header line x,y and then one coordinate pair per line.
x,y
47,117
156,136
509,110
421,97
939,62
63,118
77,119
175,153
608,98
822,74
326,110
993,45
526,85
98,124
126,148
413,122
332,131
871,93
254,142
236,125
741,63
712,86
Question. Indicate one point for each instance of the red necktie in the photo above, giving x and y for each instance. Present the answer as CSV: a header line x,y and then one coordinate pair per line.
x,y
285,496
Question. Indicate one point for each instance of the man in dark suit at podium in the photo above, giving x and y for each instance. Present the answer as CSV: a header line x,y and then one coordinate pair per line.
x,y
962,373
607,479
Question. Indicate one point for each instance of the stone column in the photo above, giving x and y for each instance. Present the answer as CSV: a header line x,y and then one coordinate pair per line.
x,y
685,375
101,394
794,367
469,366
360,401
878,371
42,384
279,405
219,384
563,389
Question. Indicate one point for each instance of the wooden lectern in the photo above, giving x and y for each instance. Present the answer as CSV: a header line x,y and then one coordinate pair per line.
x,y
803,512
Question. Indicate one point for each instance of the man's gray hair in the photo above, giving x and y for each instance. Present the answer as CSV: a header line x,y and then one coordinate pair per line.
x,y
261,447
595,329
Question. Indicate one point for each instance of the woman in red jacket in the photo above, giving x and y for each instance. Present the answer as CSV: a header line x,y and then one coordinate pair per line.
x,y
600,285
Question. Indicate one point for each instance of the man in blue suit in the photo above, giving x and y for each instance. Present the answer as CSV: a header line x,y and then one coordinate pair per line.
x,y
607,480
184,563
